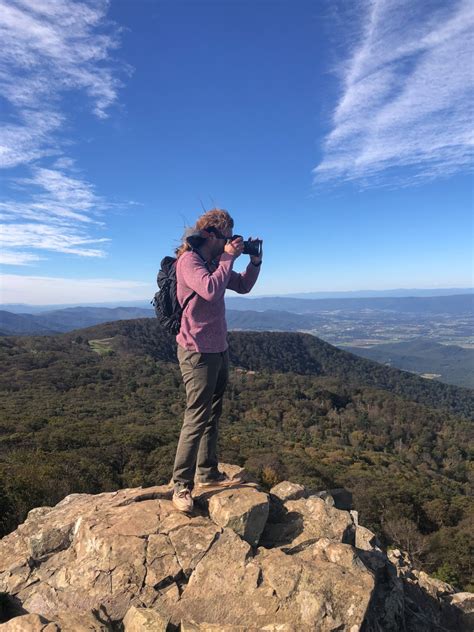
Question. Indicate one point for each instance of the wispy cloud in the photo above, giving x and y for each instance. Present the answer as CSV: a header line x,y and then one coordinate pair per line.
x,y
42,236
407,94
39,290
18,258
49,50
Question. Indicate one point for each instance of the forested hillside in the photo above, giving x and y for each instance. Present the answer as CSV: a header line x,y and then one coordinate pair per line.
x,y
288,352
101,408
453,364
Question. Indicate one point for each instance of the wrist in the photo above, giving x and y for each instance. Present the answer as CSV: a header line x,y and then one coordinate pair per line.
x,y
227,256
257,265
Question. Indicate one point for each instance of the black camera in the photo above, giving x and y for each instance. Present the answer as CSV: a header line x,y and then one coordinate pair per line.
x,y
251,247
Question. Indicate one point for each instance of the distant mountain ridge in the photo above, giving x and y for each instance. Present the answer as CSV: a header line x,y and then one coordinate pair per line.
x,y
456,304
22,308
63,320
344,327
401,292
279,312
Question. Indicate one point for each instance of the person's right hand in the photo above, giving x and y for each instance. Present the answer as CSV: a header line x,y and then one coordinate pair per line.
x,y
235,247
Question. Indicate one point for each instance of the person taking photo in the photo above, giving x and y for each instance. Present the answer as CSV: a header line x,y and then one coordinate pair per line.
x,y
204,271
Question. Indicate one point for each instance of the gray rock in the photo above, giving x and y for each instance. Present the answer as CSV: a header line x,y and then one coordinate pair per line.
x,y
80,622
463,602
161,560
366,539
237,473
29,623
243,510
317,589
93,560
191,542
48,541
306,520
192,626
282,572
224,587
63,621
144,620
288,491
340,498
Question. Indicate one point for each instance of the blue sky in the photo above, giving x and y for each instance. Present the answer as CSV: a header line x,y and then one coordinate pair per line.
x,y
339,132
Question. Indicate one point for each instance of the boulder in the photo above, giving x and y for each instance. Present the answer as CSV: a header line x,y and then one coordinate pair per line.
x,y
161,560
366,539
287,490
322,588
129,560
306,520
191,542
144,620
224,587
29,623
192,626
63,621
237,473
340,498
90,553
431,585
463,602
244,510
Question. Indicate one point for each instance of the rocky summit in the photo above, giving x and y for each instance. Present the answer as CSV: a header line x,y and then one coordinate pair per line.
x,y
291,560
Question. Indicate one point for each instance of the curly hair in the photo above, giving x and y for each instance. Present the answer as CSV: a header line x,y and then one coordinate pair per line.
x,y
217,217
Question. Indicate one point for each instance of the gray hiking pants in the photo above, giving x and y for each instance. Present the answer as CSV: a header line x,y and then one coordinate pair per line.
x,y
205,377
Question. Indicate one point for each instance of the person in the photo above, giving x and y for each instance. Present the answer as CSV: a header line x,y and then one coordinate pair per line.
x,y
204,268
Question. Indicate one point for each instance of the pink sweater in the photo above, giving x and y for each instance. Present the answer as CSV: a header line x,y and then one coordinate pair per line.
x,y
203,324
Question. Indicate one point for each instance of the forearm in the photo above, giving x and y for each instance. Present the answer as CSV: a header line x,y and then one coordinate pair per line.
x,y
208,286
244,282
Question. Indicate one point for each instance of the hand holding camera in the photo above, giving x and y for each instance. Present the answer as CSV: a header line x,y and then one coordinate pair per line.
x,y
253,247
235,246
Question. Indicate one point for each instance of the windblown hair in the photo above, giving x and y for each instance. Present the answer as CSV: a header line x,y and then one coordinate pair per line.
x,y
217,217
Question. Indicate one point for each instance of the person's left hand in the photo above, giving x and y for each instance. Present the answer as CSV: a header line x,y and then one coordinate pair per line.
x,y
256,259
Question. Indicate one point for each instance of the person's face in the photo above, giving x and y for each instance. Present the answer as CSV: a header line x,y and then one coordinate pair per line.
x,y
220,241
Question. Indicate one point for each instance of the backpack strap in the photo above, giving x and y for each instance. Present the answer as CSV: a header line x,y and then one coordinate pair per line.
x,y
186,302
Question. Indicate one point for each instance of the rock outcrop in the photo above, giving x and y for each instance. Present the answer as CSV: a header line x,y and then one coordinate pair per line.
x,y
293,560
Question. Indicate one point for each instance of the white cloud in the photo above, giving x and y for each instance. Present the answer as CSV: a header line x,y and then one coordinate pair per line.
x,y
407,94
17,258
45,237
58,216
39,290
50,48
30,139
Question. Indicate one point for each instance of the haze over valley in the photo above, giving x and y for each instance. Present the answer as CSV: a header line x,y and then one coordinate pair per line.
x,y
432,336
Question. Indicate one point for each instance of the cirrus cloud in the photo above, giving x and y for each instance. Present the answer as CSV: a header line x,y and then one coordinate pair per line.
x,y
51,49
407,94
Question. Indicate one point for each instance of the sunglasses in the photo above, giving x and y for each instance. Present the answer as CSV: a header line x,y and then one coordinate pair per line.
x,y
218,234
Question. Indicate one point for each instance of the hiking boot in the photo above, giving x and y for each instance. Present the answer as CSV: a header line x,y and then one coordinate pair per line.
x,y
182,500
222,480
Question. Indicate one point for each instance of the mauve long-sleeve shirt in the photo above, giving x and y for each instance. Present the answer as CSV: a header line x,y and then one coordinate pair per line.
x,y
203,324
